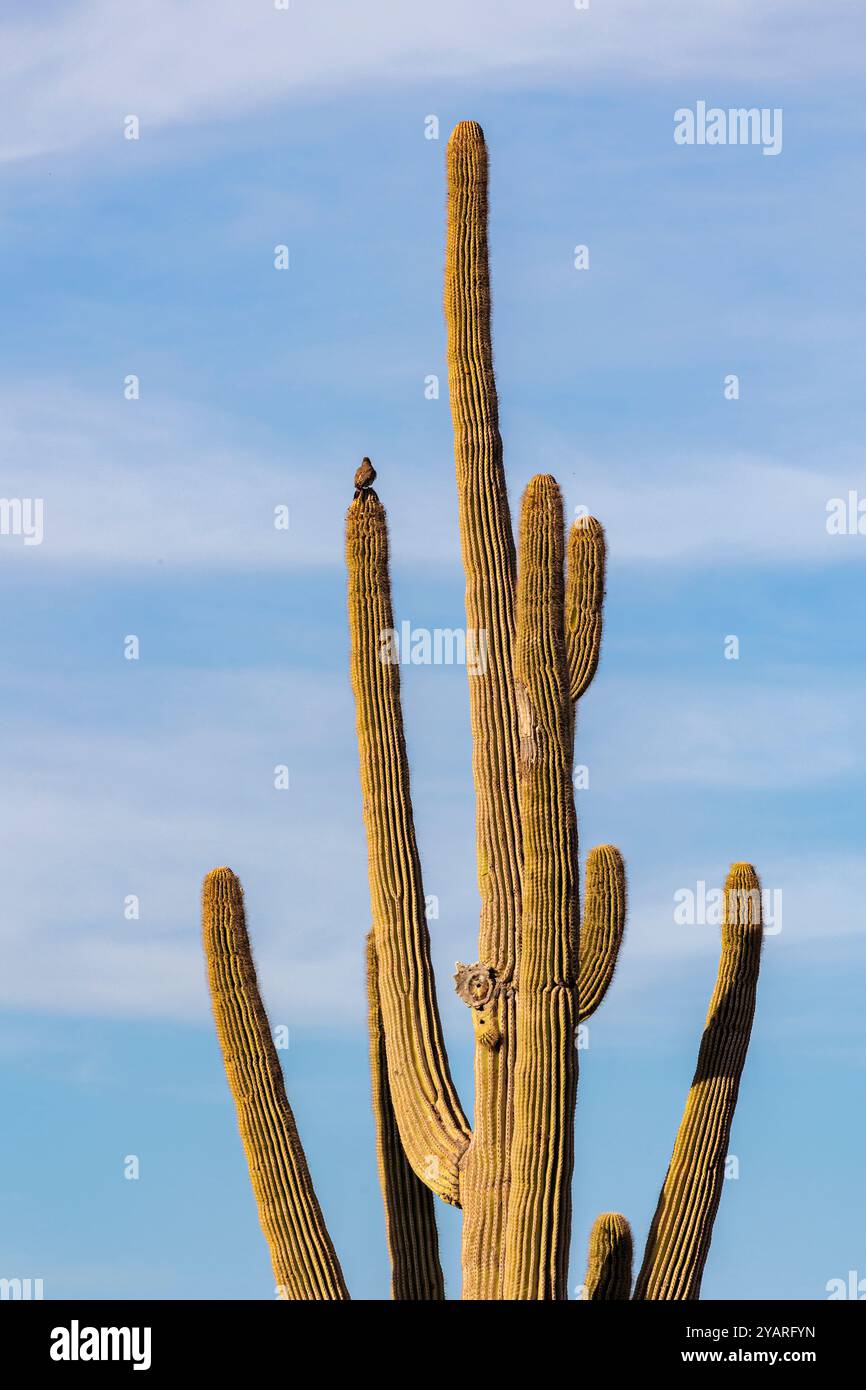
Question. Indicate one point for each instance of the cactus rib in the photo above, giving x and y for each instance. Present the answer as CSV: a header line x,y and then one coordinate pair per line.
x,y
489,562
433,1128
410,1223
608,1274
602,928
542,1151
682,1227
584,601
304,1260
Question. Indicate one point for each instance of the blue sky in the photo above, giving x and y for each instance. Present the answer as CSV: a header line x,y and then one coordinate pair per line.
x,y
259,387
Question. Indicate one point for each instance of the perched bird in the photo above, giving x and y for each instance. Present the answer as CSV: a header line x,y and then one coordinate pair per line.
x,y
365,477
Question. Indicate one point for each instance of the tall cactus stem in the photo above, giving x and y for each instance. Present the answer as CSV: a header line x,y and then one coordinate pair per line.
x,y
433,1128
489,562
542,1151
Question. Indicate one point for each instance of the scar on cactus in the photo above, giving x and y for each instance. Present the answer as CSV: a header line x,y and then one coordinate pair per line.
x,y
476,986
544,962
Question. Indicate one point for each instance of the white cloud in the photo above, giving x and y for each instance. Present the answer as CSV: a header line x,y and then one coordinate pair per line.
x,y
782,731
137,484
71,75
92,813
143,483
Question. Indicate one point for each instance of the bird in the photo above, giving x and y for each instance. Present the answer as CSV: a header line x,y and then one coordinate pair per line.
x,y
365,477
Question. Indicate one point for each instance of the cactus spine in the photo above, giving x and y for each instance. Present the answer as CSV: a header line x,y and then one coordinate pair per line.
x,y
432,1126
304,1260
410,1223
539,971
682,1227
608,1275
545,1089
489,562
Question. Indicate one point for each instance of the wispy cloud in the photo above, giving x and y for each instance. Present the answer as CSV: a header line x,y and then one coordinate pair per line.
x,y
71,75
791,729
134,484
92,814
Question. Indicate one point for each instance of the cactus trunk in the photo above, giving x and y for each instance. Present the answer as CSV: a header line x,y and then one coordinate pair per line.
x,y
542,1150
489,562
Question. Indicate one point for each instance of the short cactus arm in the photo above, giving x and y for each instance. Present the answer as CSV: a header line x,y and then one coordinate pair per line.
x,y
410,1224
432,1125
603,925
584,601
608,1275
682,1228
542,1149
604,899
305,1264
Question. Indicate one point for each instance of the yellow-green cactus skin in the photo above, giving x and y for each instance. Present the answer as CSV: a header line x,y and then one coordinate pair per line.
x,y
545,1084
434,1131
489,561
601,934
587,556
541,967
305,1263
410,1223
608,1274
679,1239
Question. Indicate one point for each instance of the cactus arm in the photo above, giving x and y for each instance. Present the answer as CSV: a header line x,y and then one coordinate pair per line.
x,y
584,600
304,1260
490,565
410,1223
608,1275
542,1150
682,1227
602,928
432,1125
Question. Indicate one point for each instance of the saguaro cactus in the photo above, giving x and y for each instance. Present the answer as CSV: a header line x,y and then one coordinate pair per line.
x,y
539,971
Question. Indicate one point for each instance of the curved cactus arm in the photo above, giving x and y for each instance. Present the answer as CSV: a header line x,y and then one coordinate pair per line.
x,y
602,928
608,1274
542,1150
410,1223
584,601
489,562
682,1227
305,1264
432,1125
